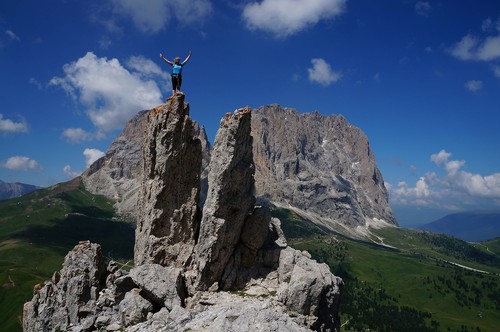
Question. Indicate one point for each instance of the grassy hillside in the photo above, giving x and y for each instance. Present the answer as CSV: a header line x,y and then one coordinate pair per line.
x,y
417,284
414,286
37,231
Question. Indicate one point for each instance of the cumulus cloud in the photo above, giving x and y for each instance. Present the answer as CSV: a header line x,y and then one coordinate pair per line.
x,y
322,73
110,93
283,18
21,163
154,16
490,26
9,126
77,135
91,155
423,8
69,173
456,187
474,85
473,48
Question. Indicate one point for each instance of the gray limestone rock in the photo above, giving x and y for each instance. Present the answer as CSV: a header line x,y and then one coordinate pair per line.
x,y
163,285
70,298
167,219
134,308
117,174
229,200
319,164
232,272
310,289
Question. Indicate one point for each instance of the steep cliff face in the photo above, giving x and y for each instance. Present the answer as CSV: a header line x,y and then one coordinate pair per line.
x,y
116,175
235,274
167,220
319,164
229,200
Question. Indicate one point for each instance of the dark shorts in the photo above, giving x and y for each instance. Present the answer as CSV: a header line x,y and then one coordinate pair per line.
x,y
176,82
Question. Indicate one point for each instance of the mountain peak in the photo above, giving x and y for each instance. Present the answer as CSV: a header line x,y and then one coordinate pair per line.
x,y
320,164
190,264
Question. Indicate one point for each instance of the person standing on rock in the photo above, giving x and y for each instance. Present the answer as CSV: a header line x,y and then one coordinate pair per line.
x,y
176,72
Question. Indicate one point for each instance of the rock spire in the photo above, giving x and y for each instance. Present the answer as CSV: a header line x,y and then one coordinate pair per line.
x,y
225,267
167,219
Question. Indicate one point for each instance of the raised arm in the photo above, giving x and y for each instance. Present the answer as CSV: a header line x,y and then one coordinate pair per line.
x,y
188,57
166,60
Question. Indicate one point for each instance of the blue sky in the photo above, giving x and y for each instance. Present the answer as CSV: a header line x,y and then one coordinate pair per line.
x,y
420,78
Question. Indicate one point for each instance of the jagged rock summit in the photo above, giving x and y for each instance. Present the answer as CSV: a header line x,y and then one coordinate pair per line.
x,y
221,265
321,166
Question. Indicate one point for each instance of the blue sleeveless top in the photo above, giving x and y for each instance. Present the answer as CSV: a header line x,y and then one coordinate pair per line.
x,y
177,68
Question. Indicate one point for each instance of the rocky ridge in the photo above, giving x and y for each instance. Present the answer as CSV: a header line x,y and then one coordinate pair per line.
x,y
223,266
320,166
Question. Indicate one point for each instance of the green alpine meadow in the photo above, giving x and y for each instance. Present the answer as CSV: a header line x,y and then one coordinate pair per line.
x,y
403,280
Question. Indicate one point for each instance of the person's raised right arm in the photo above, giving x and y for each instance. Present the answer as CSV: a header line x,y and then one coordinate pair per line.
x,y
166,60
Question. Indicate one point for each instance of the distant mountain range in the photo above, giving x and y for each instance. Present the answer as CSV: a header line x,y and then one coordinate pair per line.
x,y
471,226
320,165
11,190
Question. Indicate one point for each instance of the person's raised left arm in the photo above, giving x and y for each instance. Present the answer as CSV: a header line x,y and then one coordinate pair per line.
x,y
188,57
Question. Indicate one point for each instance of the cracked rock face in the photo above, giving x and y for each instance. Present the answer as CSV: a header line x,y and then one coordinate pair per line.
x,y
319,164
224,268
167,219
116,175
229,200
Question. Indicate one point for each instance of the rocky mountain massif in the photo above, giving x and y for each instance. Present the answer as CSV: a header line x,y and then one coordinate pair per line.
x,y
320,166
223,266
11,190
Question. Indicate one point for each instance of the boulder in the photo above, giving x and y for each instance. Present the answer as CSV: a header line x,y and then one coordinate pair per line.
x,y
163,285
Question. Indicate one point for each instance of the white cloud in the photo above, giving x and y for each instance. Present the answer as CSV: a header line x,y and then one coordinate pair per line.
x,y
322,73
463,50
155,15
144,67
110,93
423,8
69,173
487,24
12,35
496,71
287,17
441,157
36,83
473,48
453,189
9,126
21,163
92,155
76,135
490,26
474,85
